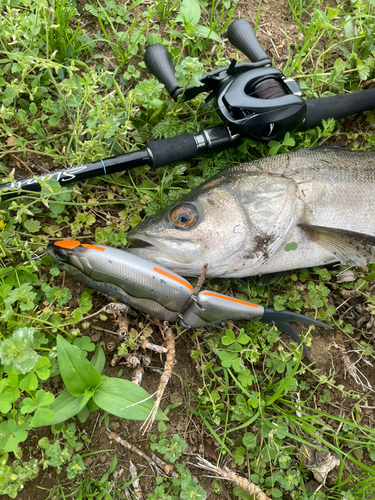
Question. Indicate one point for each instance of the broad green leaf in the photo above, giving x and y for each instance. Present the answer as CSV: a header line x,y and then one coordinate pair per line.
x,y
83,415
289,141
32,225
91,406
249,440
4,405
339,65
125,399
98,360
8,96
371,451
65,406
86,397
7,398
281,429
239,455
76,371
190,12
28,406
237,365
226,358
84,343
243,338
207,33
349,27
291,246
268,453
77,315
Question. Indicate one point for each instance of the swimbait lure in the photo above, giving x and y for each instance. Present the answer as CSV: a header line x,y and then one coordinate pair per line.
x,y
155,290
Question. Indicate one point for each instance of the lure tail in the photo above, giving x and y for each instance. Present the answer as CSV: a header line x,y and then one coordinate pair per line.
x,y
282,322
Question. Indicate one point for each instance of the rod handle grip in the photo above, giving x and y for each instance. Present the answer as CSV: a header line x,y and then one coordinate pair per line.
x,y
338,106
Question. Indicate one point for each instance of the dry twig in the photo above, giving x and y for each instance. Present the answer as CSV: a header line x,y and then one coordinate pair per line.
x,y
123,326
115,308
131,447
167,468
164,379
352,369
137,376
229,475
136,485
197,288
145,344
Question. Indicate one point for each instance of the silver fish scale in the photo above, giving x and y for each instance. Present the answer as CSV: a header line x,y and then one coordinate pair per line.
x,y
340,190
313,161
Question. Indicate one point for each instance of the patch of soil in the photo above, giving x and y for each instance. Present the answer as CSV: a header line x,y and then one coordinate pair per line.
x,y
275,19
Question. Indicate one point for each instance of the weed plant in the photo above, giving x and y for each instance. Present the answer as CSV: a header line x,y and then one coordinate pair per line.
x,y
73,89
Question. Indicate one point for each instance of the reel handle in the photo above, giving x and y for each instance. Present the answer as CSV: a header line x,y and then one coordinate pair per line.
x,y
159,62
241,35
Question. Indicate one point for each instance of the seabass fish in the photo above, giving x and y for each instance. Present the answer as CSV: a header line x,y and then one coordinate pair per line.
x,y
242,220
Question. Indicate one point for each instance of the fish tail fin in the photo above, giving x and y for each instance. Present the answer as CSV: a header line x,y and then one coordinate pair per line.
x,y
282,319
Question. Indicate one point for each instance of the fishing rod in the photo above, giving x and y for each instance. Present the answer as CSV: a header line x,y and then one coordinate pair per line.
x,y
254,100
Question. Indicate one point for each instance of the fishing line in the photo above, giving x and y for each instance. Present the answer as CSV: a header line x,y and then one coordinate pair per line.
x,y
269,89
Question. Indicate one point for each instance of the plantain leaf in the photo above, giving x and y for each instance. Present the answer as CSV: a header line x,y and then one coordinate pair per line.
x,y
83,415
86,397
91,406
207,33
190,12
65,406
98,360
76,371
116,396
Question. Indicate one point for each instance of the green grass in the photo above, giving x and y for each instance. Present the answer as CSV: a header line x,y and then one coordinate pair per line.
x,y
74,89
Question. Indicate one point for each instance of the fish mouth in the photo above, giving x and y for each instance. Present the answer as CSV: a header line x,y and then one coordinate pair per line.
x,y
164,250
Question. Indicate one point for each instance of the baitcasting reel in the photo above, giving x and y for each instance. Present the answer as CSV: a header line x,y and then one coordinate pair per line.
x,y
253,99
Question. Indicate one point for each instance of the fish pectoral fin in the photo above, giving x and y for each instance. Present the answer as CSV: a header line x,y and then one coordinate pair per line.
x,y
350,247
282,319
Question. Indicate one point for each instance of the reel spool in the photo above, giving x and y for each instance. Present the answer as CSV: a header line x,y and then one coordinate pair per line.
x,y
262,104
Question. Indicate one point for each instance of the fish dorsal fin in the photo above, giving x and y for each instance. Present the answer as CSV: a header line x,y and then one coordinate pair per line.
x,y
349,247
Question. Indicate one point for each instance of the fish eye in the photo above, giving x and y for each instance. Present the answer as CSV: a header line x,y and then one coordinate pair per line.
x,y
184,216
61,254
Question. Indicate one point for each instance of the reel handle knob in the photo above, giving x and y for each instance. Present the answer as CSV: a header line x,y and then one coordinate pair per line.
x,y
241,35
159,62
